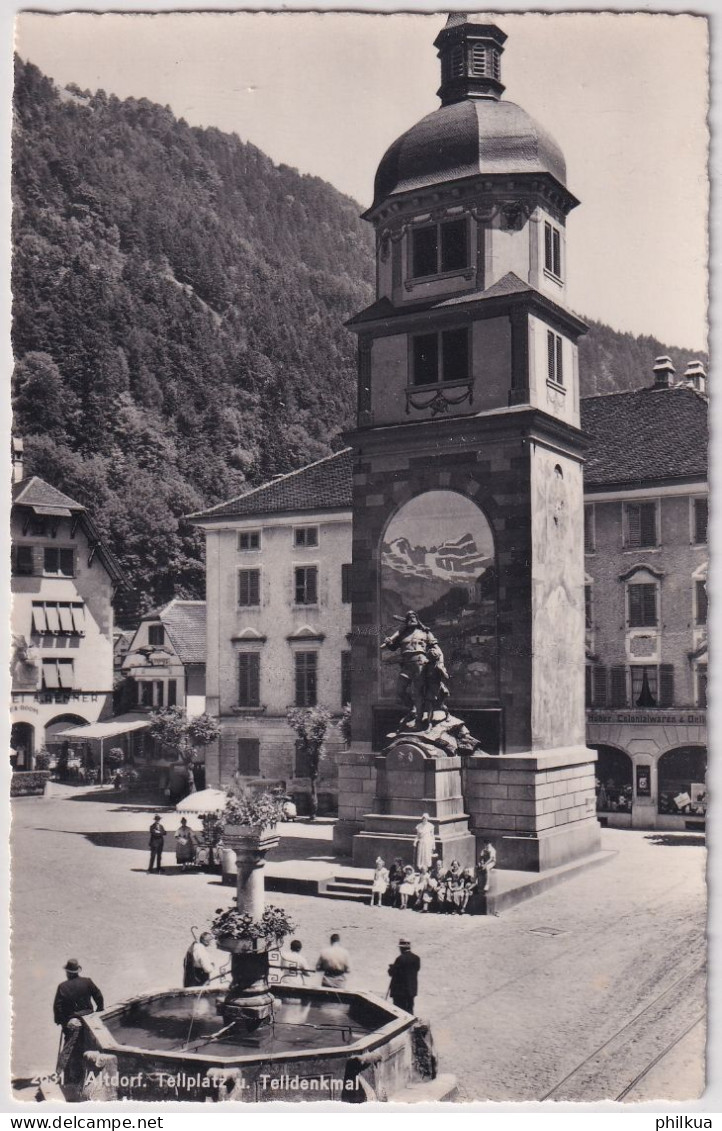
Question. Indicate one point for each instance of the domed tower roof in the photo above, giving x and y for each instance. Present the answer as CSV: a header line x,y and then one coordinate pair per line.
x,y
473,132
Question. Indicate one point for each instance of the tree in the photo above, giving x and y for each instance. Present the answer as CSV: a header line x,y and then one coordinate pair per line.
x,y
181,737
311,726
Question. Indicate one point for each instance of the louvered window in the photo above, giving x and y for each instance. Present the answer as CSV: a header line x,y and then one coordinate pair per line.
x,y
640,525
249,679
589,531
555,362
618,686
478,60
700,520
495,63
700,601
249,587
552,250
456,61
642,606
306,678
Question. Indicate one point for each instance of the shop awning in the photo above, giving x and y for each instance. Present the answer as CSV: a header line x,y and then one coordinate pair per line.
x,y
111,728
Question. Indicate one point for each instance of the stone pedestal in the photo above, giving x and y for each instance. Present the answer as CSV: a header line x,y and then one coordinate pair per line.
x,y
537,809
249,1000
409,783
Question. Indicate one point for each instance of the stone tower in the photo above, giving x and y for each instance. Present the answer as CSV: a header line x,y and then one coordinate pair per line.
x,y
468,459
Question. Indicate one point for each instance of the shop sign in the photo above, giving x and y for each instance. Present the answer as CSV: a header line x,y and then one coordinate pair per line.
x,y
645,718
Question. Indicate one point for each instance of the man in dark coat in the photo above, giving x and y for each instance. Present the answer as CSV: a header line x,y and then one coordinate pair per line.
x,y
74,998
404,971
157,838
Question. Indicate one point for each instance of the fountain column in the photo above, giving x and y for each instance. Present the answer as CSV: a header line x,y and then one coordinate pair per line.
x,y
249,1000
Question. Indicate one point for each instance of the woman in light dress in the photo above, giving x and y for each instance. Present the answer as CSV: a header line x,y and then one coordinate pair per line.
x,y
380,882
424,843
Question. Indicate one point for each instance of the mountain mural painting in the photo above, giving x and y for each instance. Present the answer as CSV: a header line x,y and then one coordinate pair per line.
x,y
437,557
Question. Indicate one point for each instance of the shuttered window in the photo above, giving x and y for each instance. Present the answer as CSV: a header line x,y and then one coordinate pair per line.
x,y
306,678
640,525
552,250
59,561
618,686
555,361
589,530
700,602
666,685
346,583
599,685
701,685
700,520
22,560
642,605
249,679
249,587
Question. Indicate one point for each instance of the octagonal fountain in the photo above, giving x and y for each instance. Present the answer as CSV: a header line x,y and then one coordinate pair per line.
x,y
256,1041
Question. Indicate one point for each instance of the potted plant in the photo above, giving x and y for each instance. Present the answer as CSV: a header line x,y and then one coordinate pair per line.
x,y
239,933
254,812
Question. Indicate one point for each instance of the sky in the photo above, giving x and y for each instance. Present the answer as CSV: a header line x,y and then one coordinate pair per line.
x,y
624,94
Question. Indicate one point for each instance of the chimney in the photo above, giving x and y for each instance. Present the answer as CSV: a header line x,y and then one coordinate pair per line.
x,y
17,458
695,376
663,373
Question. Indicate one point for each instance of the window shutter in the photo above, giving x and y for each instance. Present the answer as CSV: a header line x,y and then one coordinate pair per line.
x,y
599,686
67,562
650,605
548,247
589,530
550,355
648,524
618,690
346,583
559,363
248,679
345,678
588,695
666,685
255,591
700,520
171,693
556,253
633,525
701,602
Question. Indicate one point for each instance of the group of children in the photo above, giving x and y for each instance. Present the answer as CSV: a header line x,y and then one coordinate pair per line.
x,y
448,890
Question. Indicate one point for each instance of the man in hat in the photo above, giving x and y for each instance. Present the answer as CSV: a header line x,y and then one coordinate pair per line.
x,y
74,998
157,839
404,974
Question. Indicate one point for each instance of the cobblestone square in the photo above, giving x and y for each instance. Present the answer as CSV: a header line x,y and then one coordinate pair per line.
x,y
573,994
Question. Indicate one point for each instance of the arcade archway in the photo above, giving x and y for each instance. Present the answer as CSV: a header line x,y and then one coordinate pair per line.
x,y
682,774
614,780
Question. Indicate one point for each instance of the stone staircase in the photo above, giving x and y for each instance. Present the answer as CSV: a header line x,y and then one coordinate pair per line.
x,y
355,888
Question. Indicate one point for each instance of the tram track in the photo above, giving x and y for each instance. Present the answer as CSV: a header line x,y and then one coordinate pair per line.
x,y
655,1028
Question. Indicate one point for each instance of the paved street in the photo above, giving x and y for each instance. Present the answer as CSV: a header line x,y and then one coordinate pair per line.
x,y
572,994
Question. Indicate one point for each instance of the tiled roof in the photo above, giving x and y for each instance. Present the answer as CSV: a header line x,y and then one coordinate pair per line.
x,y
35,492
324,485
185,623
644,436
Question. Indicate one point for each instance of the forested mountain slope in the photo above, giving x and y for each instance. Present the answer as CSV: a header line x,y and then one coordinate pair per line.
x,y
178,319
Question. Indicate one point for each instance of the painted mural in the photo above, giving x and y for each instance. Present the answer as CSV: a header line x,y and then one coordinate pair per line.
x,y
437,557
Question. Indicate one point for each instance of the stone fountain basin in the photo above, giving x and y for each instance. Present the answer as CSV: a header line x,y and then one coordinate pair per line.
x,y
304,1056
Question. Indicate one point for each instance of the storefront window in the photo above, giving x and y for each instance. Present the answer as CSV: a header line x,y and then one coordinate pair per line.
x,y
613,780
682,781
